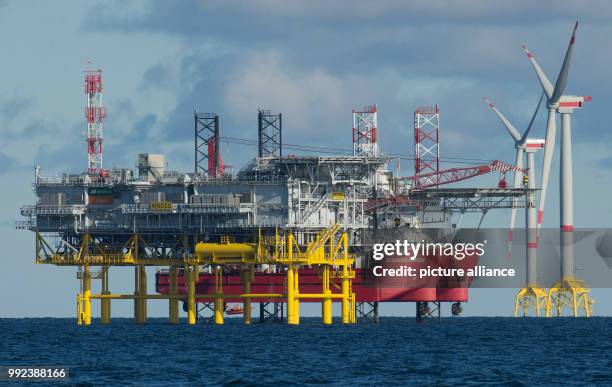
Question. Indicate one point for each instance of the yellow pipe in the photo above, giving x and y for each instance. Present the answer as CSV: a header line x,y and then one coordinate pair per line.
x,y
304,296
200,296
105,304
255,295
225,250
191,312
86,296
246,305
219,310
173,304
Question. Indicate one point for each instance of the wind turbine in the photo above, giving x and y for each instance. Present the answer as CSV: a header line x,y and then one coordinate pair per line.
x,y
531,294
557,102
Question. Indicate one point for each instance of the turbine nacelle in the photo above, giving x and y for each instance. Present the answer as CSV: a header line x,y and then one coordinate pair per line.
x,y
534,144
568,103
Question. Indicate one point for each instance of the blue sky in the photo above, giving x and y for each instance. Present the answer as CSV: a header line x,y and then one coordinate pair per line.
x,y
313,61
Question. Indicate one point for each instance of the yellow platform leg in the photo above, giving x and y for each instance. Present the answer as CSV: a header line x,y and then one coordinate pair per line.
x,y
140,292
219,310
570,293
346,286
143,295
190,277
105,303
528,298
292,300
326,304
173,303
290,296
353,309
346,298
296,291
136,293
86,296
246,305
79,309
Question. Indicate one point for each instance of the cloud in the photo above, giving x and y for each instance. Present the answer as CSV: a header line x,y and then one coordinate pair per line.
x,y
254,20
264,81
12,108
6,163
159,76
314,61
606,163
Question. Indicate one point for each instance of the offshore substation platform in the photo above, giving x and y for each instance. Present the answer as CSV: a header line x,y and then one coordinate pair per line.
x,y
282,230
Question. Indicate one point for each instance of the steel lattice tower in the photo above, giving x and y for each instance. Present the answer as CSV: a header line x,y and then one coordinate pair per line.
x,y
426,140
207,159
365,132
95,113
270,134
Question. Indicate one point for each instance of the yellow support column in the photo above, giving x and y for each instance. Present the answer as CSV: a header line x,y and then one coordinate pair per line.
x,y
173,304
345,299
290,296
136,293
296,292
86,296
345,283
326,304
353,308
219,310
79,310
291,299
190,278
246,305
105,303
143,294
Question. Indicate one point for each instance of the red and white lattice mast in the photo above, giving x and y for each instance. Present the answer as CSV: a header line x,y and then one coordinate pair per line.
x,y
95,113
426,141
365,141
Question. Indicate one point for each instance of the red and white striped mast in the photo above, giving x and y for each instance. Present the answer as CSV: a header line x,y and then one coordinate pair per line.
x,y
95,113
426,141
365,131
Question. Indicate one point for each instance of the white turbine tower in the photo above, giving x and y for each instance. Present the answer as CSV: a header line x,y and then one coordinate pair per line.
x,y
569,291
530,296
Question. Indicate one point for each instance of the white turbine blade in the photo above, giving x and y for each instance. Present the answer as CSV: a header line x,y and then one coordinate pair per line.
x,y
549,149
544,81
535,113
511,129
562,78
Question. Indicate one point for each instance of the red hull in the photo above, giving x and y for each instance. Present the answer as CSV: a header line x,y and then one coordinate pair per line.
x,y
310,282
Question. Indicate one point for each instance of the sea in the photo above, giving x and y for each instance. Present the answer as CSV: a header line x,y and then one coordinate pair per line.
x,y
396,351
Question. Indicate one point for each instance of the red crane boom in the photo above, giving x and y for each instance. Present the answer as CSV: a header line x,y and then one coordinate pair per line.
x,y
453,175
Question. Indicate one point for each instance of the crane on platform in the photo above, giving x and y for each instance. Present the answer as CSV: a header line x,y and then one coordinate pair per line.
x,y
452,175
442,177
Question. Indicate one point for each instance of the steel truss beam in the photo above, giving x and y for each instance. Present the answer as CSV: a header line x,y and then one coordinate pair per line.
x,y
270,133
206,142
